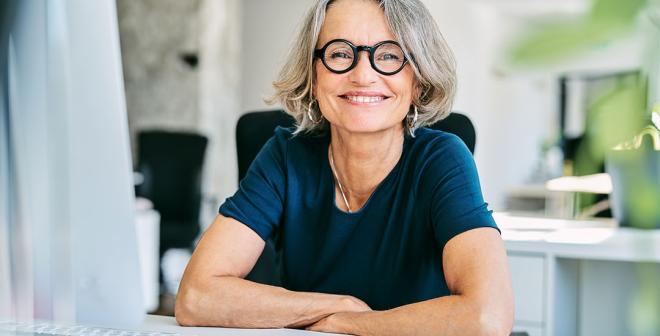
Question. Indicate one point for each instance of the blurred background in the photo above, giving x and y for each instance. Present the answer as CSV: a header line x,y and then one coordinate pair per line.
x,y
531,78
562,98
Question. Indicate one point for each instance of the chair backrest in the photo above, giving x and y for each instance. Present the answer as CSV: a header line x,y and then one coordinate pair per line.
x,y
171,163
460,125
255,128
252,131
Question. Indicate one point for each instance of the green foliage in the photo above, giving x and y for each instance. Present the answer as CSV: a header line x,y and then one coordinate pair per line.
x,y
644,313
616,11
607,20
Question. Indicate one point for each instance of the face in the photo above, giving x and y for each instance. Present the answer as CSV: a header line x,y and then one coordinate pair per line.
x,y
361,100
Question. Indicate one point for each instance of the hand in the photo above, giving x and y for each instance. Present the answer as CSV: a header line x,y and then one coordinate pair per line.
x,y
343,307
349,303
329,304
336,323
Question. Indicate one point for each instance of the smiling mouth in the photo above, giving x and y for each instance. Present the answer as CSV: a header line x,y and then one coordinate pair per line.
x,y
364,99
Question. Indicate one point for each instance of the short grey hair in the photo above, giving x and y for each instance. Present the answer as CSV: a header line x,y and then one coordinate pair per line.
x,y
417,33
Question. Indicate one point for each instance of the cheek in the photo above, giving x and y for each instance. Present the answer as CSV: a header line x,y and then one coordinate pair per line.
x,y
323,81
408,82
403,84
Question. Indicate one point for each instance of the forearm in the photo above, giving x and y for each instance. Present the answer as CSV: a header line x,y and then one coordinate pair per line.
x,y
450,315
234,302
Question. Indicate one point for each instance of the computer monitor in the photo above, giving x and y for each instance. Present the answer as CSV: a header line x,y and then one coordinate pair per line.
x,y
68,250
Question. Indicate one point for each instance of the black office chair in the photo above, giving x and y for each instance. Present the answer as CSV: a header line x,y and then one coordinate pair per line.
x,y
171,164
461,126
252,131
255,128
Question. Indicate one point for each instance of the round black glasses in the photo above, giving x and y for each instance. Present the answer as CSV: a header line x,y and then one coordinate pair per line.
x,y
341,56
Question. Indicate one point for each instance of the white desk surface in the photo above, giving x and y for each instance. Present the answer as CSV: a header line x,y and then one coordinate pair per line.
x,y
168,324
575,239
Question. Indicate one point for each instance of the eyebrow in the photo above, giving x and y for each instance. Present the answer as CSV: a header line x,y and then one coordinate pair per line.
x,y
353,43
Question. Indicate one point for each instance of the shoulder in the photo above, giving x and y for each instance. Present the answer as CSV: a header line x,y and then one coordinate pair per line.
x,y
430,145
281,140
273,151
437,157
287,136
292,147
282,135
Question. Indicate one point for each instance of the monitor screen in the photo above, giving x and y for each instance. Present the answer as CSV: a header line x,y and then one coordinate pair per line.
x,y
68,249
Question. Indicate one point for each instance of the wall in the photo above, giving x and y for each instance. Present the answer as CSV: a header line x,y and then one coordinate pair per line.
x,y
268,28
161,90
164,92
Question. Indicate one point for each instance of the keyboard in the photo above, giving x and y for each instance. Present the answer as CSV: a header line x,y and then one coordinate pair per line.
x,y
49,329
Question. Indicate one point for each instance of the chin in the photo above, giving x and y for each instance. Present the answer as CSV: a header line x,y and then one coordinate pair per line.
x,y
370,126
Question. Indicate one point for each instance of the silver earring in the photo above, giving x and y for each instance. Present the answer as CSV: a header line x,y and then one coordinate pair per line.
x,y
413,122
309,113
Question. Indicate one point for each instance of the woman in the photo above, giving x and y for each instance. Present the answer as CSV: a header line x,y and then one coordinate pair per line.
x,y
382,226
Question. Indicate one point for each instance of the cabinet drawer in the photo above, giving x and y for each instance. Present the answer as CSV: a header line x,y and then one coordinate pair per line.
x,y
528,279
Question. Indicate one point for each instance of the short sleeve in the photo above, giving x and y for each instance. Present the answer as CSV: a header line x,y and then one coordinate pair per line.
x,y
259,201
457,204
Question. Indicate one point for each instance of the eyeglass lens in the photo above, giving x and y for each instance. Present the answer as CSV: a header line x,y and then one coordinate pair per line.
x,y
388,57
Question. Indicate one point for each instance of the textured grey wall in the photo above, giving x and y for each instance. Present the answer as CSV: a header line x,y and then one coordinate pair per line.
x,y
161,90
164,92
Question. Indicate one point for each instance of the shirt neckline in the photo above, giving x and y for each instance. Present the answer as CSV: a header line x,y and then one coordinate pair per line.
x,y
389,176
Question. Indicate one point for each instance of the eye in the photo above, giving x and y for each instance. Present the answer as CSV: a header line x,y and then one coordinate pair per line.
x,y
388,57
390,53
340,55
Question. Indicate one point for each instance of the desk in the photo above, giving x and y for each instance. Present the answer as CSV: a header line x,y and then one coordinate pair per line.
x,y
168,324
575,277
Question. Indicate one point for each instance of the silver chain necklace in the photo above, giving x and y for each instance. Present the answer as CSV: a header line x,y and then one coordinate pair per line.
x,y
334,173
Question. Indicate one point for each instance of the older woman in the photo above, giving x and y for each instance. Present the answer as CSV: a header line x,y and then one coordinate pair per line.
x,y
373,211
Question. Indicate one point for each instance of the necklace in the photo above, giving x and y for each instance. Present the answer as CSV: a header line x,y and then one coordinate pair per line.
x,y
334,173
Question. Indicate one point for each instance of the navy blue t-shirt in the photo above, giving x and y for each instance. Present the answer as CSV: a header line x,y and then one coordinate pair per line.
x,y
387,254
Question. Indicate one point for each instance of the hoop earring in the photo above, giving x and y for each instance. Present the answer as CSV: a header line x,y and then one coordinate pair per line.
x,y
413,122
309,113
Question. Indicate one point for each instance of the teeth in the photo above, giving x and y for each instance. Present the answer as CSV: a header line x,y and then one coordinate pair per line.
x,y
365,99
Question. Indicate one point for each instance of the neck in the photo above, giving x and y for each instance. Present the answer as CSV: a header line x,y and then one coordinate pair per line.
x,y
362,161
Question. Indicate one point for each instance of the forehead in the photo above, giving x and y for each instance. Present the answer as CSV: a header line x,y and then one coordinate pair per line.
x,y
360,21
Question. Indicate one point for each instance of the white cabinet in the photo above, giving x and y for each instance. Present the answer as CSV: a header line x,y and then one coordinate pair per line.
x,y
528,279
578,278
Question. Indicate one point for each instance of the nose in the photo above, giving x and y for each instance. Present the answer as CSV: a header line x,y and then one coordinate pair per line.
x,y
363,74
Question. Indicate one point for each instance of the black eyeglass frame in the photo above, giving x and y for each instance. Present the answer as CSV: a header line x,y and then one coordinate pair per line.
x,y
318,53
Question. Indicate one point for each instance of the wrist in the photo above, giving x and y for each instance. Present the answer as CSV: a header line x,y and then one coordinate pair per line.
x,y
349,303
313,307
347,322
338,304
328,304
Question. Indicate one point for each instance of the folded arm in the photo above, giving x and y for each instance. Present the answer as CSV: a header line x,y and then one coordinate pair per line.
x,y
476,271
214,293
